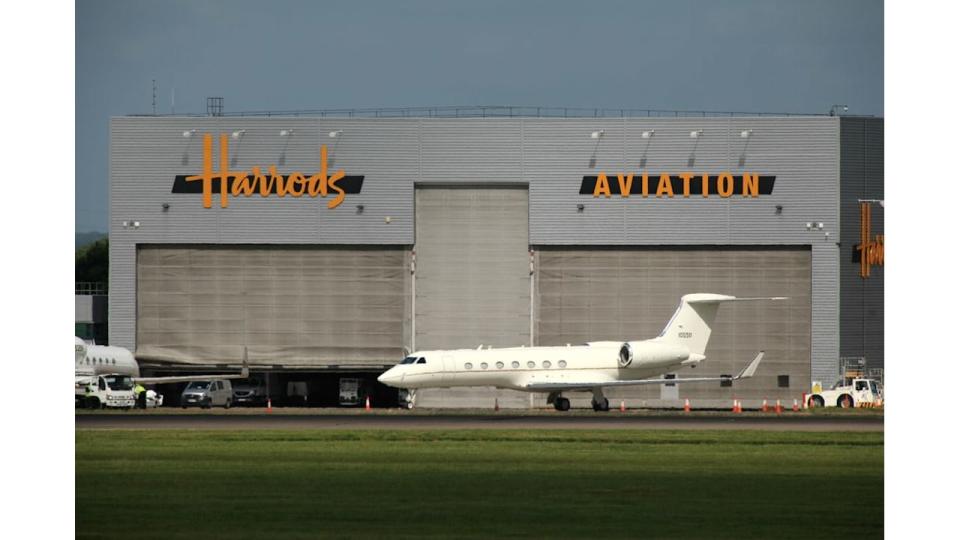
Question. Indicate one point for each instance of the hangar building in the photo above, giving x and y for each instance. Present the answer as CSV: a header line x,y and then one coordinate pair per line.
x,y
493,227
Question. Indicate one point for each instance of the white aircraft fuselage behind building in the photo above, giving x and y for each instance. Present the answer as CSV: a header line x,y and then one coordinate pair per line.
x,y
589,367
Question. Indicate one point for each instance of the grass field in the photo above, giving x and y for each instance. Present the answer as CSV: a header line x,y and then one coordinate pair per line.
x,y
478,484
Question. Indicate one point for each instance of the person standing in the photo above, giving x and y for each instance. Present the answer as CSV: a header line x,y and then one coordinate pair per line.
x,y
141,394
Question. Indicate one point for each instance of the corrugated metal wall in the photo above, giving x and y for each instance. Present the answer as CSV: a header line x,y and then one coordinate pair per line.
x,y
549,155
472,277
861,300
290,306
619,294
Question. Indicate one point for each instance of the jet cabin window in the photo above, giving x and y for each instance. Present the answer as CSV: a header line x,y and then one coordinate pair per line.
x,y
422,361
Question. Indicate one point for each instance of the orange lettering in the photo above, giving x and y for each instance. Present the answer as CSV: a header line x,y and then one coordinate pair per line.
x,y
725,185
207,176
705,185
625,187
644,189
751,185
686,183
665,186
296,184
340,193
261,180
242,185
224,172
602,186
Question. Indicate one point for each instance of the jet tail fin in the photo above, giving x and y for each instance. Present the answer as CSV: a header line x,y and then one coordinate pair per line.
x,y
692,323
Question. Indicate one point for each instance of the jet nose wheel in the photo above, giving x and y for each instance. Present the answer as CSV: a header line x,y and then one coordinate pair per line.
x,y
561,404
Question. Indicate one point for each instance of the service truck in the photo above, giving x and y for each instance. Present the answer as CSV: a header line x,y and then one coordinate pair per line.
x,y
353,392
857,392
112,390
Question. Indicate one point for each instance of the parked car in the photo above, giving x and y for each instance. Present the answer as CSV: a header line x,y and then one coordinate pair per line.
x,y
250,392
206,394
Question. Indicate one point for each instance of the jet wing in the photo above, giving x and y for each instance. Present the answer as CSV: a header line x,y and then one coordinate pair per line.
x,y
244,373
746,373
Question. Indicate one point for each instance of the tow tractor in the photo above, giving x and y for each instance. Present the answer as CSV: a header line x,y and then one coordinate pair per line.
x,y
103,391
854,393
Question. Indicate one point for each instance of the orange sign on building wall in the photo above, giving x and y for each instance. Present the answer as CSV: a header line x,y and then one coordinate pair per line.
x,y
870,247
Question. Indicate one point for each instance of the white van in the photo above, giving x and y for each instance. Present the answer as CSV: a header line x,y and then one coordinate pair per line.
x,y
206,394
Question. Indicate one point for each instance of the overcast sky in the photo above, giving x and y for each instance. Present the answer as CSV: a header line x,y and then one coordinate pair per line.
x,y
765,55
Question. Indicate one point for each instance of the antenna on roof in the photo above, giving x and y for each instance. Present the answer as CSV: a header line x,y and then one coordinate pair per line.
x,y
154,97
173,100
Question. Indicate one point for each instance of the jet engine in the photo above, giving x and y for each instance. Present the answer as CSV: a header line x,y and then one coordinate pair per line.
x,y
648,354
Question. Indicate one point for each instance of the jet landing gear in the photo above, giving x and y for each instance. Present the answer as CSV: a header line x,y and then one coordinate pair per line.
x,y
408,398
560,403
600,403
603,405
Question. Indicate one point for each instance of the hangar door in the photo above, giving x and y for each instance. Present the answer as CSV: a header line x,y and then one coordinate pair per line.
x,y
290,305
473,267
590,294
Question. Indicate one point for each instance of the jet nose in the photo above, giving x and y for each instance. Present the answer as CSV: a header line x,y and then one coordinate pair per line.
x,y
390,377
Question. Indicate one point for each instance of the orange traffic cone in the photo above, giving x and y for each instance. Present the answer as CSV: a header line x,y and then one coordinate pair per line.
x,y
764,407
623,407
367,406
269,406
496,405
779,407
686,405
734,409
796,406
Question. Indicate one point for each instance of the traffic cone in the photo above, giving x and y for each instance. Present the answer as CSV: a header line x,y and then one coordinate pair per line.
x,y
779,408
269,406
367,406
686,405
623,407
734,409
764,408
496,405
796,407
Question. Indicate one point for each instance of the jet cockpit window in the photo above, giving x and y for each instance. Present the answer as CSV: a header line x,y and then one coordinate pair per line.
x,y
422,361
409,360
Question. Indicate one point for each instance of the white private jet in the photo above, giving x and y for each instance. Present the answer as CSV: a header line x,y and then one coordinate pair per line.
x,y
586,368
93,360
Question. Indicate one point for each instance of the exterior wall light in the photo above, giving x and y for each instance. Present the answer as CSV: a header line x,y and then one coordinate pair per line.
x,y
596,134
359,208
746,134
779,209
335,134
580,208
237,134
696,134
165,206
189,133
648,134
286,132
